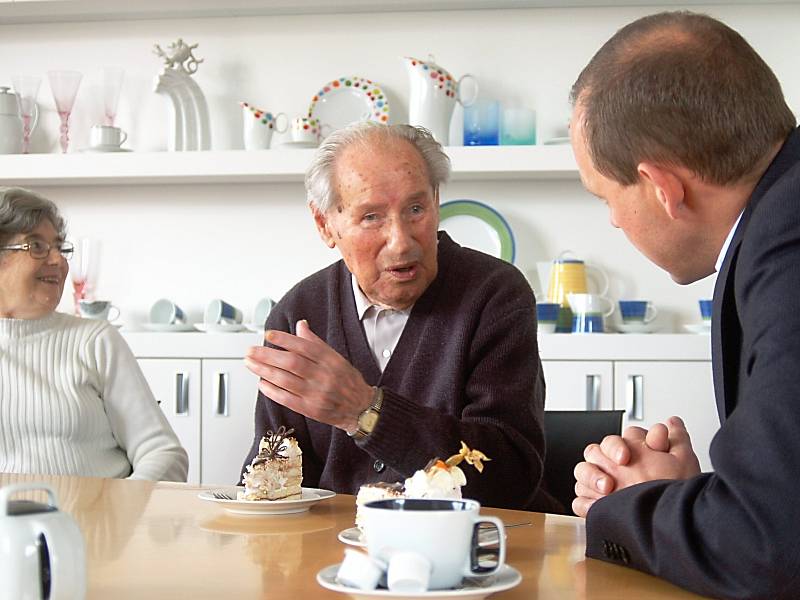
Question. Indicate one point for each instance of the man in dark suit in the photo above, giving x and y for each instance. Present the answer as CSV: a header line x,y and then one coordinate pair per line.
x,y
682,129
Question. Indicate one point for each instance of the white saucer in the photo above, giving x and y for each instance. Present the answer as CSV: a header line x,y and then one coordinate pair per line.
x,y
266,507
220,327
701,328
472,588
105,149
291,144
353,536
168,327
254,327
639,327
557,140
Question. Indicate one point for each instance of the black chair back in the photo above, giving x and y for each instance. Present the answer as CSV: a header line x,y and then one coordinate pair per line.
x,y
567,433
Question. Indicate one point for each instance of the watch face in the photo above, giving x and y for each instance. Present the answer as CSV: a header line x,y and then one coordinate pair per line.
x,y
367,421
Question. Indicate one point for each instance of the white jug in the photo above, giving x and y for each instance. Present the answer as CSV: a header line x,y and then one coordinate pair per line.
x,y
42,553
434,94
10,123
259,126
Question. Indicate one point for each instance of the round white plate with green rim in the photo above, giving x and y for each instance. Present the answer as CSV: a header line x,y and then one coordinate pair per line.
x,y
478,226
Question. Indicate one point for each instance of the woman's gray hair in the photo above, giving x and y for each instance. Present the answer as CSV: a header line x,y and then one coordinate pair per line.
x,y
320,184
22,210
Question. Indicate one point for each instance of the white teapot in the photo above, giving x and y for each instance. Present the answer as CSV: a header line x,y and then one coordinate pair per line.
x,y
42,554
434,94
10,123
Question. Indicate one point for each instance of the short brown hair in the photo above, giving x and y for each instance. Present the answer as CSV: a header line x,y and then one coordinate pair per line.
x,y
680,88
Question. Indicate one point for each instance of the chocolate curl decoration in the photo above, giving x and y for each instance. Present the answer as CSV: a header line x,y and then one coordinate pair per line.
x,y
274,441
473,457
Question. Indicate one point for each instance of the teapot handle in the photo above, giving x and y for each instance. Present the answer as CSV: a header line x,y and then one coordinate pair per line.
x,y
6,492
474,97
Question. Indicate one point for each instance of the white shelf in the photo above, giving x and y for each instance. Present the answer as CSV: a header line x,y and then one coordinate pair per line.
x,y
263,166
44,11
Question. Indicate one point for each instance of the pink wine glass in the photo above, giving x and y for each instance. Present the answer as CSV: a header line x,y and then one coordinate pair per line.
x,y
83,270
27,88
112,85
64,85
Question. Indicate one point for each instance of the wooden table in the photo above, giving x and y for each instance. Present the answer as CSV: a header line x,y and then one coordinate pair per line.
x,y
159,540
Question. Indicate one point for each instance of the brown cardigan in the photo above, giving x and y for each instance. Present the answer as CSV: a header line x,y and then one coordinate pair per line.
x,y
465,368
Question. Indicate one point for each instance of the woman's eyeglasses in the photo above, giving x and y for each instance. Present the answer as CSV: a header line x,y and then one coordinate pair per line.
x,y
39,249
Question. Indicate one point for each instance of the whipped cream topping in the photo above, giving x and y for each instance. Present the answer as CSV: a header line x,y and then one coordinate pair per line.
x,y
436,482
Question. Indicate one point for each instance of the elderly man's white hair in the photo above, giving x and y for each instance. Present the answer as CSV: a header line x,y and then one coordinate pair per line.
x,y
320,184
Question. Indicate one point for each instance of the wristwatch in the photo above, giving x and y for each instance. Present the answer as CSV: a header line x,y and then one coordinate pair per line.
x,y
368,417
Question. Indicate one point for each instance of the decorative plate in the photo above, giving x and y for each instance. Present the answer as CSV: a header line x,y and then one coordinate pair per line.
x,y
478,226
347,100
472,588
266,507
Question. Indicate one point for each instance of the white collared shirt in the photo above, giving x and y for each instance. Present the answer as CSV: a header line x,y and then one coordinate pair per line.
x,y
726,245
383,326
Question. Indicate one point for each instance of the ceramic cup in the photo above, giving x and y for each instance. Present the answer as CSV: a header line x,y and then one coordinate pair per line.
x,y
547,316
359,570
705,310
442,531
166,312
106,136
306,130
262,310
482,123
518,127
97,309
588,312
408,573
219,312
637,311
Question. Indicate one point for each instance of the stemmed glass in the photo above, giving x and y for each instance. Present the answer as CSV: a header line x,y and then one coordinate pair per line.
x,y
27,88
83,270
112,85
64,85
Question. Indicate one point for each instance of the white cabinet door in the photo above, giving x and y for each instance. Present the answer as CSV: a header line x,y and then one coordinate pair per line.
x,y
650,392
229,395
176,385
578,385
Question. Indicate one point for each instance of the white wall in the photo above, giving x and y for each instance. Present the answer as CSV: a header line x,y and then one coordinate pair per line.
x,y
196,242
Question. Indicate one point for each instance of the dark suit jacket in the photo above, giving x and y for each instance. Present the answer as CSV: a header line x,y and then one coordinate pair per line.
x,y
735,533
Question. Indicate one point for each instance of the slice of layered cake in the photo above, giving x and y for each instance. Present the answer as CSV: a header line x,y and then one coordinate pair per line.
x,y
375,491
276,471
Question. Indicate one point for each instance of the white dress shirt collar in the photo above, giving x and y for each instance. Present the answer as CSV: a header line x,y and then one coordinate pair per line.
x,y
727,243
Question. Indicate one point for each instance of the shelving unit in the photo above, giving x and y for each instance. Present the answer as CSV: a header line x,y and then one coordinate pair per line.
x,y
263,166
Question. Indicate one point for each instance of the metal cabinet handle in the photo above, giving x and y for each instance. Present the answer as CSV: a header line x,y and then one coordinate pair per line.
x,y
182,394
592,392
635,399
222,394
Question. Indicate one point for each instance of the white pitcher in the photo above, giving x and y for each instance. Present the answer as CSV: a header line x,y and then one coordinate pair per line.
x,y
434,94
259,126
10,123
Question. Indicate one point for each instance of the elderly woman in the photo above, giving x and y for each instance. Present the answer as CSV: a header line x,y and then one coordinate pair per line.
x,y
73,400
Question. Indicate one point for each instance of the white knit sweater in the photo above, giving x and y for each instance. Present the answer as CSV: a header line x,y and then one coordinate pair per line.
x,y
73,401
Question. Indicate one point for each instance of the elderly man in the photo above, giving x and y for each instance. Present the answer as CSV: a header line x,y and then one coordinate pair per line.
x,y
410,343
682,129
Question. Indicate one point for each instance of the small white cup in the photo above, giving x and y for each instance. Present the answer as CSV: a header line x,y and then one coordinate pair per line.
x,y
262,310
305,130
106,136
97,309
359,570
166,312
409,573
219,312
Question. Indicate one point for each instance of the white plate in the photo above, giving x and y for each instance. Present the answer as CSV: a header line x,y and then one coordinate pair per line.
x,y
557,140
254,327
291,144
348,100
105,149
353,536
471,589
478,226
220,327
168,327
698,328
637,327
267,507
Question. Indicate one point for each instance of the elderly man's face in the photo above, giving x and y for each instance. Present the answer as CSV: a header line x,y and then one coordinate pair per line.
x,y
385,222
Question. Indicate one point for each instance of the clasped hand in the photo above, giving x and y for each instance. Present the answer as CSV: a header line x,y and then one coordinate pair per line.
x,y
306,375
639,455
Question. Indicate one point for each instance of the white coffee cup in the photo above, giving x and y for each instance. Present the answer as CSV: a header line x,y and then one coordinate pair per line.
x,y
106,136
166,312
306,130
262,310
97,309
442,531
359,570
219,312
409,573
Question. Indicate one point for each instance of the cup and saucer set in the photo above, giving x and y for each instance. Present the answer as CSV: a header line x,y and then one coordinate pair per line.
x,y
106,138
219,317
637,316
423,549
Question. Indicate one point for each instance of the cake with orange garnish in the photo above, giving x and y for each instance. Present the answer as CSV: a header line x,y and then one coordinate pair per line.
x,y
276,472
